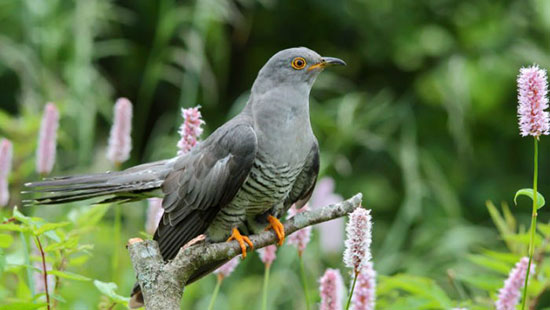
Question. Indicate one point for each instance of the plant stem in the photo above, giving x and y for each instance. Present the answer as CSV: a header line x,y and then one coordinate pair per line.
x,y
266,281
44,271
304,282
533,225
351,290
116,242
215,294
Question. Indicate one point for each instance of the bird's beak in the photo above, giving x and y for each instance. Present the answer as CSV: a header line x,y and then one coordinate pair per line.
x,y
327,62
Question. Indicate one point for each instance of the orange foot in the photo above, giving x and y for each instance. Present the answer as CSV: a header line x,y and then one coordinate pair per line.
x,y
236,235
278,227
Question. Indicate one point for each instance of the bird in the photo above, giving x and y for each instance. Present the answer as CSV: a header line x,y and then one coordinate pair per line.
x,y
238,181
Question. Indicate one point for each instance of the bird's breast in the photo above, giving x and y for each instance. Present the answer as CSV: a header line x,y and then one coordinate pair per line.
x,y
267,185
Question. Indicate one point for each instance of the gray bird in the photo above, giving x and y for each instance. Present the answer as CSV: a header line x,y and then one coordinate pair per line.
x,y
239,180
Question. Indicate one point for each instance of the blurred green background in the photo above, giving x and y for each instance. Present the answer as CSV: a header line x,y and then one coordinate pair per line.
x,y
422,121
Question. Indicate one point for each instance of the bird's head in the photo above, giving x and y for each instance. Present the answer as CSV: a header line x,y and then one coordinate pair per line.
x,y
297,67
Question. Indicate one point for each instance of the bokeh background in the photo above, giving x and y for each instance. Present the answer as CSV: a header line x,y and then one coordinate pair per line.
x,y
422,121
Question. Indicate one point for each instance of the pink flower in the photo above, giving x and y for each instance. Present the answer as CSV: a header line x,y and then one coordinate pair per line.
x,y
47,139
226,269
300,238
190,130
120,141
154,214
268,254
6,153
359,235
532,91
331,288
509,295
331,233
364,293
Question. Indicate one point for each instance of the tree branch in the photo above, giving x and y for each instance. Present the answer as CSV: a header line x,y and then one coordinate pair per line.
x,y
162,283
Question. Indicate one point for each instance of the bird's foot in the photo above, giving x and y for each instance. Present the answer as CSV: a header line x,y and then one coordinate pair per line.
x,y
236,235
278,227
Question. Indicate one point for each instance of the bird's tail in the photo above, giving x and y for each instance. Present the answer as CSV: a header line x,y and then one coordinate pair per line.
x,y
122,186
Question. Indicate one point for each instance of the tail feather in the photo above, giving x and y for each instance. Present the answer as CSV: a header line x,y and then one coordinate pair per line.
x,y
129,184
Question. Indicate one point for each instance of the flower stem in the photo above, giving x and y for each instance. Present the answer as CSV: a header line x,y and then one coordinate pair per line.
x,y
351,290
533,225
266,281
304,282
215,294
44,271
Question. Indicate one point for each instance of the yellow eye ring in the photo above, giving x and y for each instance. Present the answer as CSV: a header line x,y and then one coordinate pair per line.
x,y
298,63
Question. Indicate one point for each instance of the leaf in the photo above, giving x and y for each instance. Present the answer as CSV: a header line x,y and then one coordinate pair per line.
x,y
500,223
108,289
22,306
544,229
490,263
5,240
68,275
50,226
529,193
71,243
90,217
13,227
419,287
21,217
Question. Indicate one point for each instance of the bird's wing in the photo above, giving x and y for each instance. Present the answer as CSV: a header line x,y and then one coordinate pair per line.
x,y
202,182
305,182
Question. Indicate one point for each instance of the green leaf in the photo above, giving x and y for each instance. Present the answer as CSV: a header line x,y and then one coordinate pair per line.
x,y
22,306
71,243
499,221
21,217
108,289
89,217
490,263
529,193
5,240
13,227
50,226
68,275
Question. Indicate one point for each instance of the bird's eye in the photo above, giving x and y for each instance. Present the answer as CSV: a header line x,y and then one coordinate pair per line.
x,y
298,63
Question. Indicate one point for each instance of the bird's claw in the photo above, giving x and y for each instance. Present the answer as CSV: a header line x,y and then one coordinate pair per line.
x,y
236,235
277,227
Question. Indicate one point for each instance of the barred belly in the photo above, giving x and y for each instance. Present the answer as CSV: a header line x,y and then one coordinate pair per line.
x,y
266,186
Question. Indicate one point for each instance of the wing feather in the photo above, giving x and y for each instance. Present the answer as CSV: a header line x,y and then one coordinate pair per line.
x,y
202,182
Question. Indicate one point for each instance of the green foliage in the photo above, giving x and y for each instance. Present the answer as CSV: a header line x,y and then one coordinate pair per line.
x,y
529,193
57,246
422,121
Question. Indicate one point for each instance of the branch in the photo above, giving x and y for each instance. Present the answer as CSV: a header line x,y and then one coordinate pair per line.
x,y
162,283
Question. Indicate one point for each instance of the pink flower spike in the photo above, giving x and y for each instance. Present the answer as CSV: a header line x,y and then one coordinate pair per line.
x,y
154,214
359,235
364,294
510,294
331,289
331,233
300,238
533,100
268,254
6,153
120,141
226,269
47,139
190,130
